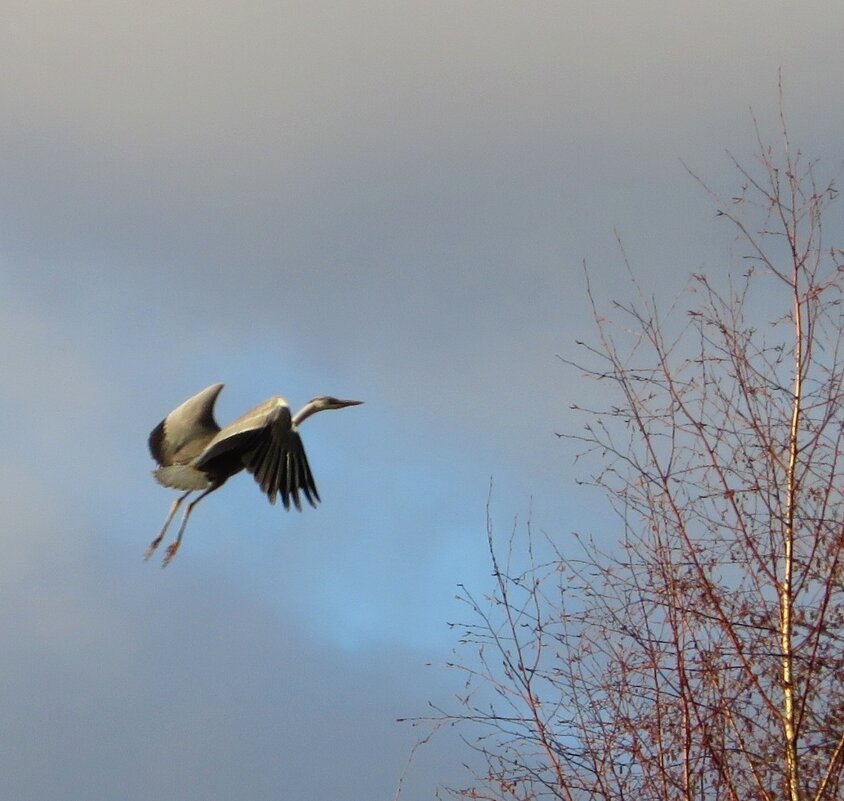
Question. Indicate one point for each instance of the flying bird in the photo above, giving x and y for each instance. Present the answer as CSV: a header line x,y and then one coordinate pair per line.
x,y
194,453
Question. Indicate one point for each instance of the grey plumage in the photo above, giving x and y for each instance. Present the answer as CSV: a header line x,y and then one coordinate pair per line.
x,y
194,453
181,437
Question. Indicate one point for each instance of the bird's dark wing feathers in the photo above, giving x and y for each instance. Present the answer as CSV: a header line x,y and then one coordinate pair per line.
x,y
280,465
306,479
156,443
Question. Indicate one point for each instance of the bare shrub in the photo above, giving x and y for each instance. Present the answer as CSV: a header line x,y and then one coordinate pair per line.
x,y
702,655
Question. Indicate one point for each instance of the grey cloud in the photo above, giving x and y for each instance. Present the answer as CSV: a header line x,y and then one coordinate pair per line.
x,y
390,202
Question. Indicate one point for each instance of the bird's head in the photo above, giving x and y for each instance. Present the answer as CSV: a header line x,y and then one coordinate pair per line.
x,y
323,402
320,404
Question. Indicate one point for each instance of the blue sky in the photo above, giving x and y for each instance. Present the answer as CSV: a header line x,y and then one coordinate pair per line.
x,y
390,202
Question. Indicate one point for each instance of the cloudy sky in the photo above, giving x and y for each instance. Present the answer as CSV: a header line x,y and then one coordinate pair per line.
x,y
383,201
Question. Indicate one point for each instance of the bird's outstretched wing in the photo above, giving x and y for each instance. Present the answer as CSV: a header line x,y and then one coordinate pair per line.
x,y
271,449
182,435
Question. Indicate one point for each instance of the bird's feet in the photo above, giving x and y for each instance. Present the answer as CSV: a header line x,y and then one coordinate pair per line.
x,y
152,548
171,552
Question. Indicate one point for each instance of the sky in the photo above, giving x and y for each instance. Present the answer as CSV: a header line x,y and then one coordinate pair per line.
x,y
391,202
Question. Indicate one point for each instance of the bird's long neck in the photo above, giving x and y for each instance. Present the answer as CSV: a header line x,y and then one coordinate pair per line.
x,y
312,407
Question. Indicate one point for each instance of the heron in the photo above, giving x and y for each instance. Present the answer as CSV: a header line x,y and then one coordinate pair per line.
x,y
194,453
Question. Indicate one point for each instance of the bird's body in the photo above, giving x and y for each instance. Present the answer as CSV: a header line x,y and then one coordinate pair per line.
x,y
194,453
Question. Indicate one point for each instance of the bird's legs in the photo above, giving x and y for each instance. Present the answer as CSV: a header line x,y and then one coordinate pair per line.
x,y
174,546
174,507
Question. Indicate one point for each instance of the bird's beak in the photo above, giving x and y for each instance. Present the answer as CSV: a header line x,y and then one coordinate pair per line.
x,y
344,403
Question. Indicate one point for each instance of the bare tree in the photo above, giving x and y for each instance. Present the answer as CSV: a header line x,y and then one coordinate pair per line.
x,y
700,655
